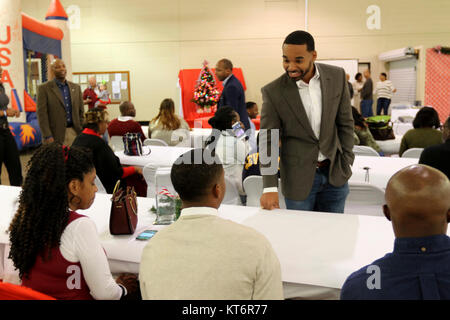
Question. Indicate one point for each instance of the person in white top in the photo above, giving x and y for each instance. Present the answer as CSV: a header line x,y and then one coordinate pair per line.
x,y
357,86
56,250
228,145
202,256
384,91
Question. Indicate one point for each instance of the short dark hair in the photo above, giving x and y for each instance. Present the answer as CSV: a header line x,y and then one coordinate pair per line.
x,y
124,107
300,37
227,64
250,104
384,74
358,75
223,118
358,119
192,178
427,117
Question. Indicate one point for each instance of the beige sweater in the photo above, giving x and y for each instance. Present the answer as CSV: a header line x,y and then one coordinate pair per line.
x,y
204,257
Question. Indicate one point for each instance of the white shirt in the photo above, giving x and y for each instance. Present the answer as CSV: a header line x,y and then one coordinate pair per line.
x,y
124,118
192,211
225,81
311,95
80,243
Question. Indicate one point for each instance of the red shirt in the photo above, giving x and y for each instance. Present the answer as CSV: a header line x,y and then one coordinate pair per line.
x,y
58,277
119,128
90,93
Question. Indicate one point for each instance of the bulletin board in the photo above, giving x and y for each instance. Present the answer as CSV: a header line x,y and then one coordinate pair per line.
x,y
117,82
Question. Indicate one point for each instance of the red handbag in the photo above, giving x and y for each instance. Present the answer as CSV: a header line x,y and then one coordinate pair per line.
x,y
123,218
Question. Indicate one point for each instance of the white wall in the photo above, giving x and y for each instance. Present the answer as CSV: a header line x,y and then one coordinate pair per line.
x,y
155,39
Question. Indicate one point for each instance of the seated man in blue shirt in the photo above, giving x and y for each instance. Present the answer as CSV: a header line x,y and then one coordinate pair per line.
x,y
418,205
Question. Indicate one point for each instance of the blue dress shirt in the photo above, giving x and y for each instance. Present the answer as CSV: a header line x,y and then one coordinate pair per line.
x,y
417,269
65,91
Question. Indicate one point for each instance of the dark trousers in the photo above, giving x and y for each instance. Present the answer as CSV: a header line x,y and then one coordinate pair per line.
x,y
383,104
9,155
366,108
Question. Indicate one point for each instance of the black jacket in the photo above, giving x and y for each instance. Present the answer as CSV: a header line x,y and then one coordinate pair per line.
x,y
107,164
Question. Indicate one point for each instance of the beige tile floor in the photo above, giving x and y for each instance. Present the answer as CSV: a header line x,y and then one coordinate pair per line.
x,y
25,156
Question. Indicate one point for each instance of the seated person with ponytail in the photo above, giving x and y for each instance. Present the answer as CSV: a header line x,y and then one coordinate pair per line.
x,y
107,164
230,149
56,250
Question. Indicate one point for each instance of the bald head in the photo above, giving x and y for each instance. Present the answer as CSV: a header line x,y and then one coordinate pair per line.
x,y
58,68
92,81
418,202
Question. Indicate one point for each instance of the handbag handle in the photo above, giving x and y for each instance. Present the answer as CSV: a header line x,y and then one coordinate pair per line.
x,y
117,186
131,205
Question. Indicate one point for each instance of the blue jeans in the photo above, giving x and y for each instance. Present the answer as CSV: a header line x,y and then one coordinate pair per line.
x,y
323,196
383,104
366,108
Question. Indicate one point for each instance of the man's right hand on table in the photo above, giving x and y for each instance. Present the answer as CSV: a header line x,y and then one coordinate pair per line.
x,y
269,201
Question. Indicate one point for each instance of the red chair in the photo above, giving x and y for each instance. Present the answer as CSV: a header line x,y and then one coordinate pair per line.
x,y
9,291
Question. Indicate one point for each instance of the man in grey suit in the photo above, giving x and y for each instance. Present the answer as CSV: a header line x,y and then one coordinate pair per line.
x,y
310,106
60,108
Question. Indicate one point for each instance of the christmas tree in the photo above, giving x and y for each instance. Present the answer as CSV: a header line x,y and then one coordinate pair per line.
x,y
206,94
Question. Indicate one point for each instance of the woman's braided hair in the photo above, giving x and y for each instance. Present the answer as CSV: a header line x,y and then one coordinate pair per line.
x,y
44,202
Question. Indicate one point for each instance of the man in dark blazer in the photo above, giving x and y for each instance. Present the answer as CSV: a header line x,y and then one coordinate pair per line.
x,y
310,107
438,156
233,93
60,107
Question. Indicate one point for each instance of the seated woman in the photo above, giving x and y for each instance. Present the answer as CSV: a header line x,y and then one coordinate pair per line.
x,y
56,250
363,133
425,132
107,164
230,149
167,126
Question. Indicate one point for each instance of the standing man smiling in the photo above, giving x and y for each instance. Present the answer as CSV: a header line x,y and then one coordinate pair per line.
x,y
310,106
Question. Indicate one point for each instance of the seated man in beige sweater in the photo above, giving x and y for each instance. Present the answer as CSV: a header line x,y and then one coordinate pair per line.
x,y
202,256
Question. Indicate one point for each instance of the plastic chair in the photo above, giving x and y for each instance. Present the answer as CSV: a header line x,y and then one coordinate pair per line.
x,y
253,187
99,184
9,291
365,151
364,199
116,143
155,142
412,153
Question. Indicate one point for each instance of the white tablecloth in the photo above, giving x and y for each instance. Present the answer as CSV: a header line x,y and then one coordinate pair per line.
x,y
381,169
403,111
159,156
317,251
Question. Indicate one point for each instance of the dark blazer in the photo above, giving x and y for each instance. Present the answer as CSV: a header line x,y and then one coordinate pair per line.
x,y
233,95
51,112
107,164
283,109
437,156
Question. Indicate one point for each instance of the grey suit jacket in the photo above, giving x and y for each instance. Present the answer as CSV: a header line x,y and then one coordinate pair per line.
x,y
283,109
51,112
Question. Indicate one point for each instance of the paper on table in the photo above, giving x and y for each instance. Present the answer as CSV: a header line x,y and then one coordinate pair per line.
x,y
83,78
123,85
118,77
